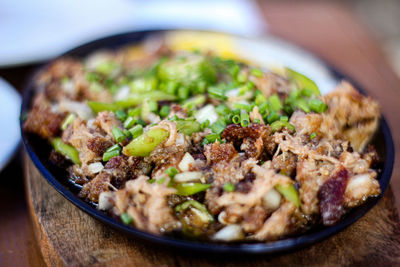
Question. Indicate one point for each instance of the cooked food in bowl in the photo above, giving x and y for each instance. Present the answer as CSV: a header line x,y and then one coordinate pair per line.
x,y
212,148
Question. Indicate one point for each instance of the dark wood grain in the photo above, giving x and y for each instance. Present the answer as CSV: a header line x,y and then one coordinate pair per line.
x,y
67,236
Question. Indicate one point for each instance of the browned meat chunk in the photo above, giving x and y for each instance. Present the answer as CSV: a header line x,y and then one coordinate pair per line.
x,y
331,197
350,116
252,140
219,152
115,173
106,121
42,121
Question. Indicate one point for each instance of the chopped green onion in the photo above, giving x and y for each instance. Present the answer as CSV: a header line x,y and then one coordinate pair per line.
x,y
228,187
278,125
246,107
143,145
188,189
118,135
67,121
273,116
114,148
183,92
136,131
313,135
256,72
141,122
204,125
241,77
164,111
128,123
92,77
126,218
274,103
153,106
66,150
171,172
236,119
262,108
194,101
219,126
257,121
222,109
284,118
134,112
171,87
151,181
121,115
244,118
211,138
106,67
216,92
260,99
302,104
110,154
161,180
317,105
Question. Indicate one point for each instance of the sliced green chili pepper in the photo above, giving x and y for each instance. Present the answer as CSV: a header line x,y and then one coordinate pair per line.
x,y
143,145
187,189
130,101
188,127
302,81
126,218
290,193
195,204
66,150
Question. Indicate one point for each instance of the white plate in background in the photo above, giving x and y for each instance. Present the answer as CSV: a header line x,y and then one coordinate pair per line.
x,y
10,105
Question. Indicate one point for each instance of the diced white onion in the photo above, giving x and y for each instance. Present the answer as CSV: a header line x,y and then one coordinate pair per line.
x,y
272,199
206,113
81,109
68,87
184,177
231,232
105,200
233,92
96,59
180,139
201,215
122,93
186,161
221,218
95,167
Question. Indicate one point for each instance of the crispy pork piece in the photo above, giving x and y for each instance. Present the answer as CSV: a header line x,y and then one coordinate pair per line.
x,y
350,116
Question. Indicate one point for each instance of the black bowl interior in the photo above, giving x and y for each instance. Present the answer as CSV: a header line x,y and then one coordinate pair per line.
x,y
39,150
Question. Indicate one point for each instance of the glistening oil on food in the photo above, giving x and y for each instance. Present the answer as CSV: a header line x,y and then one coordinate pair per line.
x,y
206,146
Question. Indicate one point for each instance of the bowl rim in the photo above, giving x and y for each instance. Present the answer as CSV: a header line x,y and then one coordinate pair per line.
x,y
272,247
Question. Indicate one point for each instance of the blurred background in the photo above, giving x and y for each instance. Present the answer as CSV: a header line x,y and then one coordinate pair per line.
x,y
360,37
31,31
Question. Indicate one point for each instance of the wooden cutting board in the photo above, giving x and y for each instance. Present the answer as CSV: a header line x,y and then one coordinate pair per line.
x,y
67,236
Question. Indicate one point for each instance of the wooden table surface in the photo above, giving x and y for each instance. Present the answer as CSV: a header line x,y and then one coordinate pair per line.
x,y
329,30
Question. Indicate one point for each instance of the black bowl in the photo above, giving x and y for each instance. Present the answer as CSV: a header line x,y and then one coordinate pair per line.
x,y
39,150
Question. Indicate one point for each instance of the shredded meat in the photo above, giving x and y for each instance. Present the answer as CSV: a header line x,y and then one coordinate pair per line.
x,y
147,204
